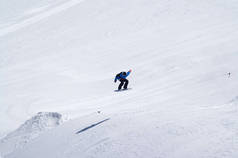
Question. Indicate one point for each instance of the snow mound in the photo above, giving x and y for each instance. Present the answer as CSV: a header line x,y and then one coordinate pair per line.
x,y
43,120
31,129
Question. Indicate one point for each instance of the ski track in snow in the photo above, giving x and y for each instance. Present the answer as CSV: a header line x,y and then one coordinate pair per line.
x,y
34,19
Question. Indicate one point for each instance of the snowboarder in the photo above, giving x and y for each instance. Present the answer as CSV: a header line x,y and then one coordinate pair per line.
x,y
122,78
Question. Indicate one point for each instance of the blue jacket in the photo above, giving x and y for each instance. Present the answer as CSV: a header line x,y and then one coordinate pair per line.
x,y
122,76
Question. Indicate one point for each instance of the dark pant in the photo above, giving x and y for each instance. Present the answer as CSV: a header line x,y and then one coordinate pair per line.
x,y
123,80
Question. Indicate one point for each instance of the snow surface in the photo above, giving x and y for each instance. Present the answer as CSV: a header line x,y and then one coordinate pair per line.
x,y
31,129
62,55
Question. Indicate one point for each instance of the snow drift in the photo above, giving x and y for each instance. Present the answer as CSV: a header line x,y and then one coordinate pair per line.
x,y
31,129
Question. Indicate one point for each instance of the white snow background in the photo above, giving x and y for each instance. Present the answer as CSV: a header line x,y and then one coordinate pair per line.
x,y
58,59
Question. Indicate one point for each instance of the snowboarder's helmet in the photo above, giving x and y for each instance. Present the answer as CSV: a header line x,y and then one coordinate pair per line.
x,y
123,73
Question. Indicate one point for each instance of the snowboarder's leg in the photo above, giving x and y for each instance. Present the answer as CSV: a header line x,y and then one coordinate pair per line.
x,y
121,84
126,83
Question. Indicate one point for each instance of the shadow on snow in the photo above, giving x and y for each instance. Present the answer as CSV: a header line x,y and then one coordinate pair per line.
x,y
91,126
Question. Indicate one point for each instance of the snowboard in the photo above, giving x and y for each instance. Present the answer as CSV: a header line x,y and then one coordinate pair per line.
x,y
122,90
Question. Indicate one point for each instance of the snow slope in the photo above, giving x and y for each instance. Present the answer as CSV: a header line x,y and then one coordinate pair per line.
x,y
63,58
31,129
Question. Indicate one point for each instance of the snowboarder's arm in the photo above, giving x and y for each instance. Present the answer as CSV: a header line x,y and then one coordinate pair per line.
x,y
115,80
128,73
